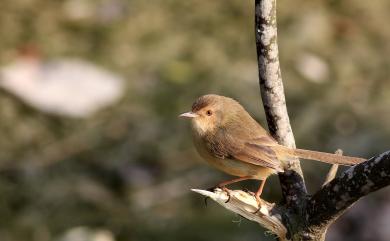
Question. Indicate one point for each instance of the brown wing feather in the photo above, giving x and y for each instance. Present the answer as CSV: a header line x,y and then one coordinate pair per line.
x,y
259,155
257,151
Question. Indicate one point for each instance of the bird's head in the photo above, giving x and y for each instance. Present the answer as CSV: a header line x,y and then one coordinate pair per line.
x,y
210,112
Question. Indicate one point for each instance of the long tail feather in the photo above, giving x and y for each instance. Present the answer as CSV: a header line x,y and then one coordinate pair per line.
x,y
327,157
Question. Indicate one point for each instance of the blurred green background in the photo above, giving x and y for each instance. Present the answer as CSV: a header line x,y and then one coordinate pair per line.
x,y
124,173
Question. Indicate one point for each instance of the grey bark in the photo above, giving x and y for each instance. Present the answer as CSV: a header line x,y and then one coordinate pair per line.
x,y
272,93
333,199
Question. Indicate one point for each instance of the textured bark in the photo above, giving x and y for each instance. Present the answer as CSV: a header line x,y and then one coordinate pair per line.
x,y
337,196
274,102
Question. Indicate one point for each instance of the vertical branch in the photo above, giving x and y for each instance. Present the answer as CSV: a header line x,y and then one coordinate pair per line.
x,y
272,93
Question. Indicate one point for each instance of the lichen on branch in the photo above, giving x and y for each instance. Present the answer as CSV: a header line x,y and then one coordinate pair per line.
x,y
274,102
337,196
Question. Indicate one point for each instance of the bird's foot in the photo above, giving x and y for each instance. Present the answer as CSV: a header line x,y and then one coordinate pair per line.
x,y
227,193
212,189
224,188
259,203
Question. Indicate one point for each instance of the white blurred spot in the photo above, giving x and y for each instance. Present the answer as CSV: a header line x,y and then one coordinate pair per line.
x,y
66,87
313,68
87,234
103,10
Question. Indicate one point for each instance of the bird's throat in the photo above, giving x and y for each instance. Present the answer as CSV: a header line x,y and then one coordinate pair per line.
x,y
201,127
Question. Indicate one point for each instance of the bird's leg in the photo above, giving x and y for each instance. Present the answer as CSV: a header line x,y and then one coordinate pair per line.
x,y
225,183
258,193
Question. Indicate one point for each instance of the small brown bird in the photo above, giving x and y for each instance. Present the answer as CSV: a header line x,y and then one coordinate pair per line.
x,y
228,138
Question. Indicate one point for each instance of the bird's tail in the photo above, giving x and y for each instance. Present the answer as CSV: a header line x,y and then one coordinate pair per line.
x,y
326,157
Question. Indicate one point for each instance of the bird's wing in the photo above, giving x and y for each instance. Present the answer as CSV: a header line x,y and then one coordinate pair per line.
x,y
258,154
256,151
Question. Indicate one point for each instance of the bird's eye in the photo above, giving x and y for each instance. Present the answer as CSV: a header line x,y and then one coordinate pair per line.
x,y
209,112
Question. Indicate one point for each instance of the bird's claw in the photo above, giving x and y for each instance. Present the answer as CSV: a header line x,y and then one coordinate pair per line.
x,y
227,193
205,201
210,189
259,203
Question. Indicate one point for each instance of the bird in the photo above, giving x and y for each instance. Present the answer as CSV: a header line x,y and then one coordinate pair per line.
x,y
231,140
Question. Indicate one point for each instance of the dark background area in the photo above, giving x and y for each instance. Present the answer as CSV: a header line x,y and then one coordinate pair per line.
x,y
125,172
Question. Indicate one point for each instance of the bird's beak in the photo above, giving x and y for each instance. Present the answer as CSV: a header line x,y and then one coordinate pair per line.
x,y
189,115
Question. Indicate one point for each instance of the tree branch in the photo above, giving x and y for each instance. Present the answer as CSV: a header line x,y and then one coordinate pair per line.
x,y
333,170
337,196
245,204
272,93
